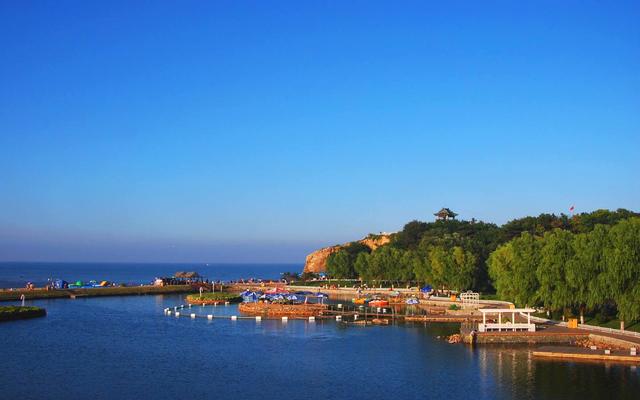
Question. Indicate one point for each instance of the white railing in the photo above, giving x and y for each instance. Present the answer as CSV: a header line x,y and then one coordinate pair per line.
x,y
609,330
587,327
506,327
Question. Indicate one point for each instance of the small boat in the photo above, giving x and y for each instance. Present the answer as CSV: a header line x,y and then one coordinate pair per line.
x,y
360,300
378,303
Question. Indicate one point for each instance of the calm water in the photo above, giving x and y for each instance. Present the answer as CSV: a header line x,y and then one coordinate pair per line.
x,y
125,348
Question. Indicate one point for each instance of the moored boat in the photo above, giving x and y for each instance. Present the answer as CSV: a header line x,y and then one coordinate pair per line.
x,y
378,303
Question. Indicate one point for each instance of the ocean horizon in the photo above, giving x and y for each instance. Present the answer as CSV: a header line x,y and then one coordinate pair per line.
x,y
16,274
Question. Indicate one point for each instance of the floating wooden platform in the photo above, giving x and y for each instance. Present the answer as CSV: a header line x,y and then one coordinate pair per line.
x,y
282,310
586,354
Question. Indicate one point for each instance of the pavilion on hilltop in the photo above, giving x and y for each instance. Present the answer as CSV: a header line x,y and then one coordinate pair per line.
x,y
445,214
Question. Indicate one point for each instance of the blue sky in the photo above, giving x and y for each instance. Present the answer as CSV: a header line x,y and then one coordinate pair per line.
x,y
257,131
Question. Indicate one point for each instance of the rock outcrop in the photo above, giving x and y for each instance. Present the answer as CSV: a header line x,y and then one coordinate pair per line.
x,y
375,241
317,261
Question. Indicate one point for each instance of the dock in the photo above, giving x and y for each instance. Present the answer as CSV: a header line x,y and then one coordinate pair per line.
x,y
576,353
345,313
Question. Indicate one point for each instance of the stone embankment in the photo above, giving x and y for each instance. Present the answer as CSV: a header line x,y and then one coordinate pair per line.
x,y
15,295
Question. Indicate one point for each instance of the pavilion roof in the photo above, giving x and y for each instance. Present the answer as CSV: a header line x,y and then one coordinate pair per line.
x,y
445,211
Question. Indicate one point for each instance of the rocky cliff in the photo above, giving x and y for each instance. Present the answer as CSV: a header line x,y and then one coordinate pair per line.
x,y
317,261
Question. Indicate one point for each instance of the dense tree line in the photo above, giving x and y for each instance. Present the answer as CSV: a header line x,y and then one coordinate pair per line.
x,y
584,261
564,270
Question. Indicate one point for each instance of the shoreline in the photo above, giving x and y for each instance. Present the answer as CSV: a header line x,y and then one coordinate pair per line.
x,y
40,294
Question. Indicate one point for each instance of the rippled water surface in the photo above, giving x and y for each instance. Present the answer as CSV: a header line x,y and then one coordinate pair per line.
x,y
126,348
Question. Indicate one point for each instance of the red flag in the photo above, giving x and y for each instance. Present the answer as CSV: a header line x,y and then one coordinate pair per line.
x,y
571,208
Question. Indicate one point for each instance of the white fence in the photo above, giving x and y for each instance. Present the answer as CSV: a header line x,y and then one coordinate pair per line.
x,y
589,327
506,327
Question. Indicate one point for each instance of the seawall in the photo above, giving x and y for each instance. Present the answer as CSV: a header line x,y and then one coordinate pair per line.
x,y
14,295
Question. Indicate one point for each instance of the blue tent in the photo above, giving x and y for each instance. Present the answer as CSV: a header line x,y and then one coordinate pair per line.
x,y
426,289
60,284
249,297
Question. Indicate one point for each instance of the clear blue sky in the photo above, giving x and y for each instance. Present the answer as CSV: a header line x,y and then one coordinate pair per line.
x,y
258,131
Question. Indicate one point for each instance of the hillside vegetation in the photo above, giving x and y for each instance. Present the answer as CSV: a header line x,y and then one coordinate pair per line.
x,y
586,263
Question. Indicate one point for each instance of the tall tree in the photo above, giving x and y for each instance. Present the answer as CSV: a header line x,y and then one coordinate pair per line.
x,y
586,270
361,266
463,268
513,268
623,268
340,265
422,268
556,253
501,271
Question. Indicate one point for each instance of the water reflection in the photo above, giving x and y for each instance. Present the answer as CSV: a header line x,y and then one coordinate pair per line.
x,y
112,344
517,373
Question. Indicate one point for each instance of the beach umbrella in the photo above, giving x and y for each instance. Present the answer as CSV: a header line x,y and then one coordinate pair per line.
x,y
321,296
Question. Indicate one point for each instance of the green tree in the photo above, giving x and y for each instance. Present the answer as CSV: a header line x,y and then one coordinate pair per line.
x,y
421,268
556,253
361,266
623,268
410,235
340,265
501,271
586,269
404,270
463,268
513,269
384,262
439,260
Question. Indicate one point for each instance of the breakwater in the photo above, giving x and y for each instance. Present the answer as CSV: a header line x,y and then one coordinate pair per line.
x,y
16,295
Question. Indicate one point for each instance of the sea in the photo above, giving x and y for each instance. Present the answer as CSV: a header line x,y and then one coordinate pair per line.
x,y
127,348
18,274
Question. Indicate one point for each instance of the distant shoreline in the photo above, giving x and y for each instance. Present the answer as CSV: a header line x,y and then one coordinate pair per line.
x,y
37,294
